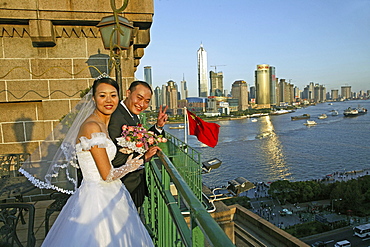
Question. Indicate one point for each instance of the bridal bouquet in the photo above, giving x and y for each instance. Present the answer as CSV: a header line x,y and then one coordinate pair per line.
x,y
137,139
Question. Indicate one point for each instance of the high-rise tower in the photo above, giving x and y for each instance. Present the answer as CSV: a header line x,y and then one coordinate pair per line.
x,y
263,86
148,79
217,83
239,90
273,86
346,92
184,89
202,72
148,75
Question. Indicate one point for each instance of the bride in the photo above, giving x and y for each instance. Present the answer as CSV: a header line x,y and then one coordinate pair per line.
x,y
100,212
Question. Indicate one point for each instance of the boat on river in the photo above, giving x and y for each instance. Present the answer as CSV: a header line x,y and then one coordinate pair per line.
x,y
310,123
334,113
304,116
361,110
322,116
177,127
280,112
350,112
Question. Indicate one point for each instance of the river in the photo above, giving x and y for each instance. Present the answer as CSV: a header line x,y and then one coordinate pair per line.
x,y
290,150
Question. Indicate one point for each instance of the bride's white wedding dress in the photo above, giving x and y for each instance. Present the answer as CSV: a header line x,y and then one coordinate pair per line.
x,y
100,213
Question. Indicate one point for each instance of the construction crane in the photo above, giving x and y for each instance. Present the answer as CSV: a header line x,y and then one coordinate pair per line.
x,y
216,67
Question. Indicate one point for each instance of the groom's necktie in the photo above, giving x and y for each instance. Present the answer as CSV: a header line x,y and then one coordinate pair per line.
x,y
136,119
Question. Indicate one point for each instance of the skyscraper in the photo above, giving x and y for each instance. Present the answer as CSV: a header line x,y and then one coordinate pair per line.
x,y
149,80
184,89
239,90
346,92
148,75
158,97
263,86
273,86
334,94
217,83
202,72
171,97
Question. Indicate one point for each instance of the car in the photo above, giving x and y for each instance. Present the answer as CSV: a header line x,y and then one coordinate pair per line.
x,y
343,243
287,211
319,244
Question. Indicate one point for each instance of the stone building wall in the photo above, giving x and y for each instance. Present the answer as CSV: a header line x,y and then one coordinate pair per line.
x,y
46,48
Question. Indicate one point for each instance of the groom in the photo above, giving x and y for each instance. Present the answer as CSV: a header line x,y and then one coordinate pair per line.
x,y
137,100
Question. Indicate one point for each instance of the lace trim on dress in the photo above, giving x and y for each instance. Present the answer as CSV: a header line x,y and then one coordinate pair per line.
x,y
97,139
43,185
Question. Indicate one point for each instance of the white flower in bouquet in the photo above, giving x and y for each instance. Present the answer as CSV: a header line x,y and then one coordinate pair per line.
x,y
137,139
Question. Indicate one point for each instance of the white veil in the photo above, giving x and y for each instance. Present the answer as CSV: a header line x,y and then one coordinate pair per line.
x,y
53,165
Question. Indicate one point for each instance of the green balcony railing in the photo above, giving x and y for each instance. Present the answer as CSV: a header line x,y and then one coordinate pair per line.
x,y
175,213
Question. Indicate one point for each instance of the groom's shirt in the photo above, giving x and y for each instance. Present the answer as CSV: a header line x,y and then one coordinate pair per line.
x,y
136,117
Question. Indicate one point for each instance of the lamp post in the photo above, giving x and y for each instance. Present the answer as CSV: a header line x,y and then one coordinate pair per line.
x,y
116,32
332,203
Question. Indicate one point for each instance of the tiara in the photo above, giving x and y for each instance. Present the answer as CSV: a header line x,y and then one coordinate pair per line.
x,y
101,76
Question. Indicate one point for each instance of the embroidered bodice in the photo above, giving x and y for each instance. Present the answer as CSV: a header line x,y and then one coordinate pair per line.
x,y
86,161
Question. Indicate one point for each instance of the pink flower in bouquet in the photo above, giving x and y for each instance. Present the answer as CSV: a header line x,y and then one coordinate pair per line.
x,y
151,140
138,139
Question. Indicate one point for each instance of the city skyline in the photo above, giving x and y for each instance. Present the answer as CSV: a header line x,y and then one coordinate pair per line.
x,y
322,42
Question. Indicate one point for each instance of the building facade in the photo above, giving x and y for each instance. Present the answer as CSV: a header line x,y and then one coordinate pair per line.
x,y
172,97
217,83
273,86
346,92
184,89
202,72
50,52
149,79
263,89
239,90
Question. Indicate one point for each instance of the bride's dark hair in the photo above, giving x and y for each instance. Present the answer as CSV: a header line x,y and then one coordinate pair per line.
x,y
108,81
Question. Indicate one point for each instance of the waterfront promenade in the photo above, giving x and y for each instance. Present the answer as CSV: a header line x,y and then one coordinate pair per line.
x,y
269,208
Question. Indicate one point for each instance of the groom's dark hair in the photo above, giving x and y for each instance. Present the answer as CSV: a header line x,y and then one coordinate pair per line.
x,y
135,83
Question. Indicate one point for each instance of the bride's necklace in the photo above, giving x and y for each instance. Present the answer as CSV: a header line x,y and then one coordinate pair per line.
x,y
99,119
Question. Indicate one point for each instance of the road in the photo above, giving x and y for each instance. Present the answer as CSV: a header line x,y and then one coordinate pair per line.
x,y
338,235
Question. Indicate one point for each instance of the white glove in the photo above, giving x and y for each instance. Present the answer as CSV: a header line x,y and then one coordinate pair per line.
x,y
130,166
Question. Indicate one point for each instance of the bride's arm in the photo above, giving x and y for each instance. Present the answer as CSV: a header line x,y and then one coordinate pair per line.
x,y
100,156
107,171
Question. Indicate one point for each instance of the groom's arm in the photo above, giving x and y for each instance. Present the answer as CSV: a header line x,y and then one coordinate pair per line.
x,y
115,130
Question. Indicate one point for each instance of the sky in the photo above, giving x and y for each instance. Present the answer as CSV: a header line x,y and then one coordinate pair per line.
x,y
325,42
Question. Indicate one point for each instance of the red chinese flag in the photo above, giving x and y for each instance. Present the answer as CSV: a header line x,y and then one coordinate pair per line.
x,y
206,133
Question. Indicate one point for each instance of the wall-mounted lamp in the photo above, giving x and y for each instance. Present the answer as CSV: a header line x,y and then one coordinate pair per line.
x,y
240,185
211,164
115,33
235,187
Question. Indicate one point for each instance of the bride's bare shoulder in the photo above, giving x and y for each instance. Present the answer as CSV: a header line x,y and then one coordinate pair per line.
x,y
90,126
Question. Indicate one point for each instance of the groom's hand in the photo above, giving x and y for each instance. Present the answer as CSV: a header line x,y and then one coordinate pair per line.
x,y
151,152
162,117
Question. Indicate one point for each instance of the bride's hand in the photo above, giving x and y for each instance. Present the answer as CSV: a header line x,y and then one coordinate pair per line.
x,y
130,166
135,162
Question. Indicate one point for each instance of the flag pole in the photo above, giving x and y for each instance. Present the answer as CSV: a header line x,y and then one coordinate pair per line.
x,y
185,125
